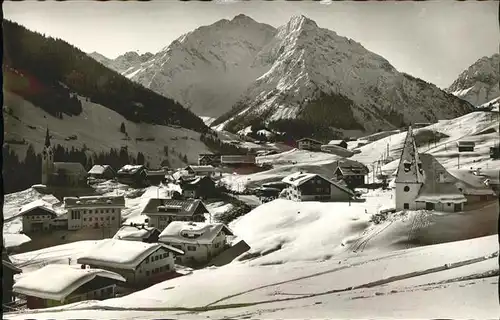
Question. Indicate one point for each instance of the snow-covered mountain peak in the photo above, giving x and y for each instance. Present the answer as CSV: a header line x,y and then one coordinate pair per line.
x,y
299,22
243,19
479,83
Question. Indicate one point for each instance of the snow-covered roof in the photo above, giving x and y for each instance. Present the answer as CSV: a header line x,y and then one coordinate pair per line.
x,y
408,168
237,158
178,207
121,254
57,281
134,233
130,169
336,142
299,178
466,143
99,169
439,185
40,203
15,239
192,232
470,183
94,201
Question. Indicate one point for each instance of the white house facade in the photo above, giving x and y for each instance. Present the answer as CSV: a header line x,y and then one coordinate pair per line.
x,y
201,242
94,211
313,187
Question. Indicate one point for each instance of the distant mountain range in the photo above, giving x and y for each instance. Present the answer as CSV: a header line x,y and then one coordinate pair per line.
x,y
244,73
479,83
124,62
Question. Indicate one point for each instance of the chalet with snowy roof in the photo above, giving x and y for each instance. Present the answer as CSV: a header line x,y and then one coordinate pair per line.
x,y
351,172
59,284
198,187
102,172
161,212
61,174
139,263
473,185
132,175
37,216
200,241
94,211
206,159
314,187
138,232
465,146
200,170
8,272
309,144
338,143
423,183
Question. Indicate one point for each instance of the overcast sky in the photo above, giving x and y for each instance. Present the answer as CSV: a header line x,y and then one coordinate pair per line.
x,y
431,40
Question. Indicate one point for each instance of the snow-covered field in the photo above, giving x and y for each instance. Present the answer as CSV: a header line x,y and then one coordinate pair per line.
x,y
108,136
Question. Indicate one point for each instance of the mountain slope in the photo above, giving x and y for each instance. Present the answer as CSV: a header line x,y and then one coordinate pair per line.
x,y
330,81
207,69
123,62
479,83
50,73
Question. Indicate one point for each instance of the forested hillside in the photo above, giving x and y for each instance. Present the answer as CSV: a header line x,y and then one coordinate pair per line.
x,y
49,72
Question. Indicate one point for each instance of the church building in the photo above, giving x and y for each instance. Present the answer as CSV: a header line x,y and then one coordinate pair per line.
x,y
422,183
60,174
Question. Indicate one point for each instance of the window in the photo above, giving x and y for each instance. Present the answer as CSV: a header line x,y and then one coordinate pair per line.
x,y
102,218
165,255
191,248
406,206
167,268
429,206
406,189
84,219
216,245
90,219
112,218
449,204
147,260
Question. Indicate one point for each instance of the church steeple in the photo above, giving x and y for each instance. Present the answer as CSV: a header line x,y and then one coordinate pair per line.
x,y
47,138
410,166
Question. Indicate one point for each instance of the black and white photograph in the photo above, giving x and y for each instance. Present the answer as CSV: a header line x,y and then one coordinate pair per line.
x,y
237,159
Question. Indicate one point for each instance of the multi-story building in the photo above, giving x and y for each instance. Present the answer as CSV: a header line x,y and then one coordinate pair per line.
x,y
313,187
37,216
161,212
94,211
201,242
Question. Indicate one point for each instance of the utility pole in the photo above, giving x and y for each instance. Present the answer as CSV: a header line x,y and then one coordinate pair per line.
x,y
458,165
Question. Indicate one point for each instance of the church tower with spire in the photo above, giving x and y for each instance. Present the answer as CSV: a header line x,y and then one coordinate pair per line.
x,y
410,175
47,159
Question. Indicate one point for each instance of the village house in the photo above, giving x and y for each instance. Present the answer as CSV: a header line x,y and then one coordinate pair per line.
x,y
207,159
198,187
161,212
138,232
94,211
156,177
423,183
61,174
338,143
352,173
309,144
473,185
132,175
140,263
200,242
58,284
313,187
102,172
200,170
8,272
37,216
465,146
